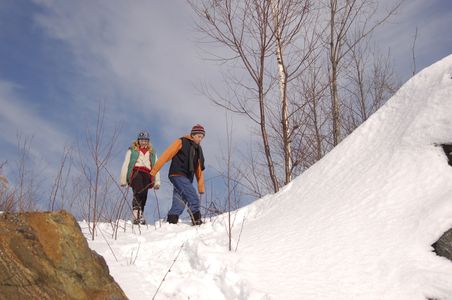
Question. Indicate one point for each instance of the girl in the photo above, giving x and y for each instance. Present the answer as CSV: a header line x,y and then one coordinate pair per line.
x,y
135,172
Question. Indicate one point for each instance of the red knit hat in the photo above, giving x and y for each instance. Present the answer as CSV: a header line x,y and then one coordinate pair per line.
x,y
198,129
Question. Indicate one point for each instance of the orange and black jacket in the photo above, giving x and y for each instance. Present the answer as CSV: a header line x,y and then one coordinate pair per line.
x,y
180,152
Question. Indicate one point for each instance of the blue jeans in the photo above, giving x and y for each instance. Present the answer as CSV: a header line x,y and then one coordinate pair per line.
x,y
183,194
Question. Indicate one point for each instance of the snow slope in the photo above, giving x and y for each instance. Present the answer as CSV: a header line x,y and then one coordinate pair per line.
x,y
359,224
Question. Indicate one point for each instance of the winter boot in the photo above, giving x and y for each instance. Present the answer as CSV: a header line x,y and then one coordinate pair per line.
x,y
196,218
136,217
142,221
172,219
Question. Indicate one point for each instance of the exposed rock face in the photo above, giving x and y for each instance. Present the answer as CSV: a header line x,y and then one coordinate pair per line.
x,y
45,256
443,247
448,150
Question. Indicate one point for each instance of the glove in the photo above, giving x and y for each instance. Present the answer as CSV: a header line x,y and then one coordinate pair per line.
x,y
156,187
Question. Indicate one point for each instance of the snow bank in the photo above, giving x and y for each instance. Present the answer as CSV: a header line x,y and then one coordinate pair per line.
x,y
359,224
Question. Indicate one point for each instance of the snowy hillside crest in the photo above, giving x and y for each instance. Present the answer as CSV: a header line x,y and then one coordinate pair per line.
x,y
359,224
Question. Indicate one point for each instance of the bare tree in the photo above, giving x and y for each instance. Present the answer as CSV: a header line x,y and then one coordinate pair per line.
x,y
229,201
350,21
299,105
243,28
313,87
271,40
61,180
228,182
251,175
293,47
7,201
413,54
118,210
3,181
25,190
100,151
369,82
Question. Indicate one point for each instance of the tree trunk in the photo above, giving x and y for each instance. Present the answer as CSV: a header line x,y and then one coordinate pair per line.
x,y
264,134
335,107
282,80
334,60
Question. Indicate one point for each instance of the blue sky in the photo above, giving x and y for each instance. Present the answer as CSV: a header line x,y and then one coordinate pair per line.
x,y
60,59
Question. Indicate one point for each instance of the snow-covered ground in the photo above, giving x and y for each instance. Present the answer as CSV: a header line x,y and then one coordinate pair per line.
x,y
359,224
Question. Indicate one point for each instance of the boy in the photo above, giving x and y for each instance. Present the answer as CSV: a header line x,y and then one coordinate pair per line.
x,y
187,161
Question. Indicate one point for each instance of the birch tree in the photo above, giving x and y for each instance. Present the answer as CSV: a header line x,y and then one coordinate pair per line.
x,y
264,36
292,86
293,46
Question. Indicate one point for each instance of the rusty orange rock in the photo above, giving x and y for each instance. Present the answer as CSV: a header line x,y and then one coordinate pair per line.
x,y
43,255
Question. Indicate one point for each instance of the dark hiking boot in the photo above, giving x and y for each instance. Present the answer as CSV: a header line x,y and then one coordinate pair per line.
x,y
142,221
172,219
135,221
196,218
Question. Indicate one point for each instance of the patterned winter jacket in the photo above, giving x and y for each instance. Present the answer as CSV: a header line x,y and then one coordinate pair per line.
x,y
136,159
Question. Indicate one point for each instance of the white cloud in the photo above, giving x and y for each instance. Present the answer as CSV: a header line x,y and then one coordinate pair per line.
x,y
22,124
140,55
138,47
16,118
140,58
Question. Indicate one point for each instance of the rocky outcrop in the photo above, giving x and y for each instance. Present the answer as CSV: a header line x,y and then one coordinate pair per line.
x,y
45,256
443,247
448,151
